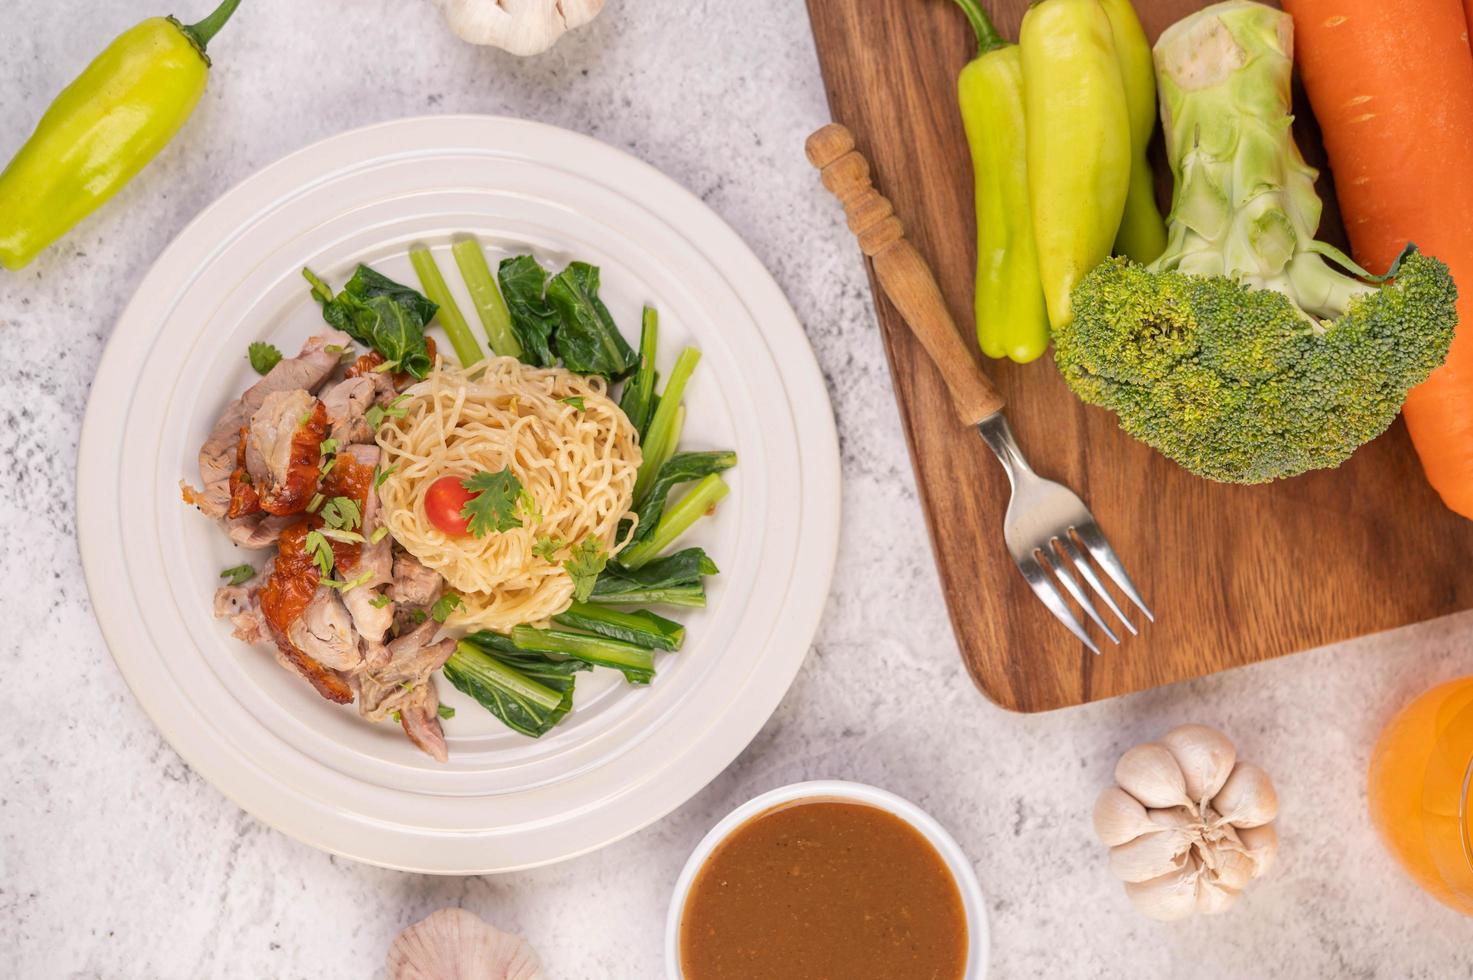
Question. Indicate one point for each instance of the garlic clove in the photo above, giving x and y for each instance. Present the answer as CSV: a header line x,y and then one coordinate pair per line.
x,y
1150,774
1205,756
1119,818
1149,855
1232,868
455,943
1168,898
1212,897
522,27
1262,843
1248,798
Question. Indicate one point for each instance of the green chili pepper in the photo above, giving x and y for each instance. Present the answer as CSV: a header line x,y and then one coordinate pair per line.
x,y
102,129
1142,234
1012,320
1078,142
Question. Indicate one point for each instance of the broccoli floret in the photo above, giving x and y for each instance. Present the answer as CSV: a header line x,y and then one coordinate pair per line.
x,y
1241,353
1235,383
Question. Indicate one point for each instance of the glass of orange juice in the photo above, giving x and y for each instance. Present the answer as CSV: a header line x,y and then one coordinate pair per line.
x,y
1420,791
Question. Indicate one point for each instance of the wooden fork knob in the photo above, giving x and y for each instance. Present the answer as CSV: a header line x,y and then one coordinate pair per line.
x,y
901,271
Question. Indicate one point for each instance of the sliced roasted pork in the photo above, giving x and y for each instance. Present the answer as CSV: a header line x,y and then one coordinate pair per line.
x,y
325,632
414,584
391,672
308,370
240,605
372,567
284,450
419,716
258,530
348,401
245,499
292,586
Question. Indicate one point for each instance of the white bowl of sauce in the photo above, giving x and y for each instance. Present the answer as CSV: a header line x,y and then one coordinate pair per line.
x,y
827,879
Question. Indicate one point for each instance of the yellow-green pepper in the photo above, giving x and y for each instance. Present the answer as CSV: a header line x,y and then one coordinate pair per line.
x,y
102,129
1142,234
1078,142
1012,320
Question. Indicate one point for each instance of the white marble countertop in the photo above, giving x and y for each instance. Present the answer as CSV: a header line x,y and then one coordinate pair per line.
x,y
117,861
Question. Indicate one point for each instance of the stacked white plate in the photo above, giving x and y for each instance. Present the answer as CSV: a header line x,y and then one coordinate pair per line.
x,y
624,757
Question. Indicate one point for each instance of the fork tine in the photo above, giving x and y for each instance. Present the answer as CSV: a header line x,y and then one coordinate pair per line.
x,y
1094,540
1088,572
1071,586
1043,586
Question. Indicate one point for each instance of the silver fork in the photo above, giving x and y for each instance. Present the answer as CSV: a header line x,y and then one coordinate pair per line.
x,y
1047,527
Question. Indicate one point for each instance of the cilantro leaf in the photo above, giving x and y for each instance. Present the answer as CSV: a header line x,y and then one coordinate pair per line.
x,y
584,568
380,601
444,606
445,711
263,356
320,551
238,575
576,401
494,506
547,546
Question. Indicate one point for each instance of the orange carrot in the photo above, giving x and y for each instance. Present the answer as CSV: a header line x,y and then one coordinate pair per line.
x,y
1392,88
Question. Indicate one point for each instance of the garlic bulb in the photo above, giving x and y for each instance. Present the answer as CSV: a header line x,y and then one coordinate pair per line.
x,y
456,943
1188,826
523,27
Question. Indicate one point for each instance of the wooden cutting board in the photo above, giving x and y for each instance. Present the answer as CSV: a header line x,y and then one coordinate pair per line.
x,y
1235,574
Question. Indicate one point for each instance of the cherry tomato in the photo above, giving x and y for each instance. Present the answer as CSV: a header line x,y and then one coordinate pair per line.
x,y
444,501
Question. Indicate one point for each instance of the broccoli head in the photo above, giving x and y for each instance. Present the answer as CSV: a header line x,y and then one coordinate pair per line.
x,y
1236,383
1242,353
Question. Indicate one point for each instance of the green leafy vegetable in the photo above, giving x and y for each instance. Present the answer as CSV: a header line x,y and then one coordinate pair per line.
x,y
380,601
635,663
444,606
533,320
642,628
638,398
494,506
529,692
342,514
445,711
678,469
576,401
546,547
673,580
587,339
375,310
584,568
239,575
263,356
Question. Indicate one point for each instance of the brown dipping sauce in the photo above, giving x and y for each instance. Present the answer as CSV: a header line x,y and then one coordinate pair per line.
x,y
824,890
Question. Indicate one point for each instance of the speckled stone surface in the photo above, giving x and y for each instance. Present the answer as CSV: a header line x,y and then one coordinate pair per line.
x,y
117,861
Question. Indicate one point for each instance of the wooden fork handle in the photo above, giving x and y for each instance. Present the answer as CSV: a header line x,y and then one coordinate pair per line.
x,y
901,271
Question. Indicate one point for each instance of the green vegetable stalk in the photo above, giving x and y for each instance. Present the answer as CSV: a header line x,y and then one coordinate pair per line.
x,y
1078,136
467,348
490,307
1241,352
1142,234
1011,316
103,129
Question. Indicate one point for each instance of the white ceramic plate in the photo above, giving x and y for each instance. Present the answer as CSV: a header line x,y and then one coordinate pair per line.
x,y
624,757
